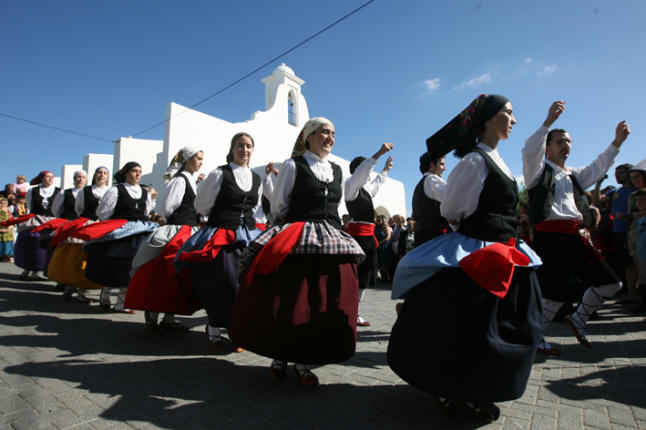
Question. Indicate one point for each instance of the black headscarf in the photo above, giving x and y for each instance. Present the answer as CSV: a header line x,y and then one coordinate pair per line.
x,y
120,176
461,133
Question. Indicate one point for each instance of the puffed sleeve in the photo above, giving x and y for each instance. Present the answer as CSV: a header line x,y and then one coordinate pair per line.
x,y
463,188
283,189
173,198
208,192
107,204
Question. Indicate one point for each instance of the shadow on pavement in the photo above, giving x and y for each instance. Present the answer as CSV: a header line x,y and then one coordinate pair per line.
x,y
210,393
625,385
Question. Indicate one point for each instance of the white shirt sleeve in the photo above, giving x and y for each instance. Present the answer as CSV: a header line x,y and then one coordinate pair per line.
x,y
533,154
208,192
175,190
589,175
434,187
372,187
463,187
57,204
268,187
283,190
359,178
107,204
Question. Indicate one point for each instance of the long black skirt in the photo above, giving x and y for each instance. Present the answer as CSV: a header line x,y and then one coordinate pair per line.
x,y
109,262
455,339
367,269
216,283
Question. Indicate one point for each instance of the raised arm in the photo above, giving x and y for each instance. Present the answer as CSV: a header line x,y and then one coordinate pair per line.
x,y
533,152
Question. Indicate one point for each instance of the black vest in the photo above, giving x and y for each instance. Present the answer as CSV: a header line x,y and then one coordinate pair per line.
x,y
185,214
494,220
37,202
429,223
541,198
361,208
90,203
233,206
68,205
129,208
314,200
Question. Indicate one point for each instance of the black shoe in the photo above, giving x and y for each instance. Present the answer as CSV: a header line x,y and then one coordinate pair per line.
x,y
486,412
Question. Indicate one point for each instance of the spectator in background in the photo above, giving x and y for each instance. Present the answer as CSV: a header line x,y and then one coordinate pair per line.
x,y
6,233
384,255
618,200
21,185
640,200
406,238
638,180
9,190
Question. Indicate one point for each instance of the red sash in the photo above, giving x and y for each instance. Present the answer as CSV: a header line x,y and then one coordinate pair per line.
x,y
98,229
565,226
272,255
261,226
17,220
362,229
66,230
492,267
51,224
211,249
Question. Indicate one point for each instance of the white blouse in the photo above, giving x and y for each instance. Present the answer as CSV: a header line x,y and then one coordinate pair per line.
x,y
210,189
175,190
321,168
465,183
97,192
109,201
57,204
45,193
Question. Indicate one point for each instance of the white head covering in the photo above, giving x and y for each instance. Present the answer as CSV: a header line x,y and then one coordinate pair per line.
x,y
79,171
640,166
178,161
310,127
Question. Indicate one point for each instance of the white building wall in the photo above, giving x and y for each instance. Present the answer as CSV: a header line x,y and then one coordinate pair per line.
x,y
91,162
143,151
67,175
273,135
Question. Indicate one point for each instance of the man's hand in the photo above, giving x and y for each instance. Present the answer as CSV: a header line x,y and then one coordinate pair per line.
x,y
389,164
384,148
554,112
621,133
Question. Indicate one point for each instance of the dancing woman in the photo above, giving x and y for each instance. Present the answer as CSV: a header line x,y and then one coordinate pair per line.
x,y
155,286
471,319
229,197
30,255
298,295
124,211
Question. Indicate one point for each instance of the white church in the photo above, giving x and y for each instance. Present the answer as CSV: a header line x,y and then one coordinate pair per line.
x,y
274,130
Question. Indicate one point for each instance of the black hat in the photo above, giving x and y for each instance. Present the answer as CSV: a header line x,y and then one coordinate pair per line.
x,y
462,131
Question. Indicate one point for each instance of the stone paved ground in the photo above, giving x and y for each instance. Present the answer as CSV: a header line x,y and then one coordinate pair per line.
x,y
68,365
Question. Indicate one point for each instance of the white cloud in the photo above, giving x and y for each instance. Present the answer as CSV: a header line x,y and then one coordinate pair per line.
x,y
432,84
528,60
473,82
548,70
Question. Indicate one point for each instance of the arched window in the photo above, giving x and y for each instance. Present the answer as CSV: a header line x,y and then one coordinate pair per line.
x,y
291,109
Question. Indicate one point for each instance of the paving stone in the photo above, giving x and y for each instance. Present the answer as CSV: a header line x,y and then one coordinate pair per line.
x,y
56,373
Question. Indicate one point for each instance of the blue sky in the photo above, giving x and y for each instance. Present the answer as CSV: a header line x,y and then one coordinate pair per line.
x,y
395,71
